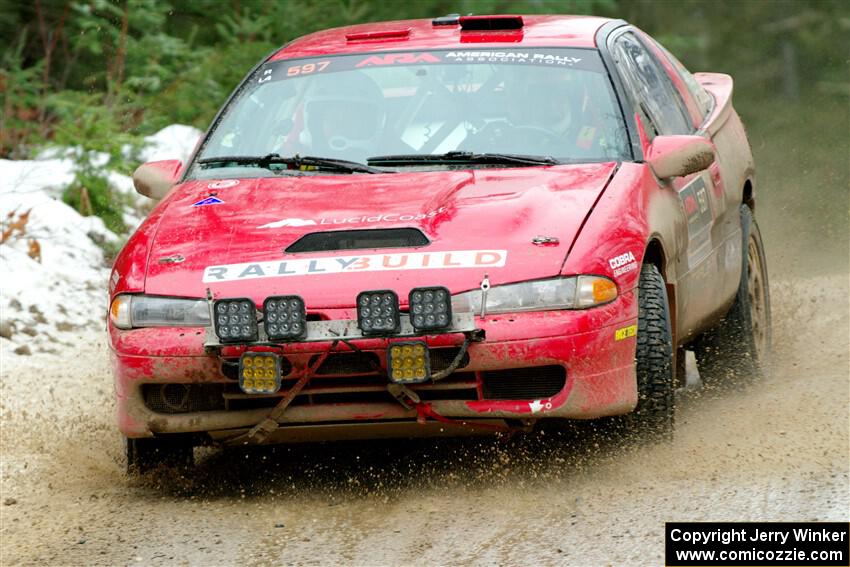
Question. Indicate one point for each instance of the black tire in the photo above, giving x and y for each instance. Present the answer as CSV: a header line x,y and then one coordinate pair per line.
x,y
654,414
149,453
738,346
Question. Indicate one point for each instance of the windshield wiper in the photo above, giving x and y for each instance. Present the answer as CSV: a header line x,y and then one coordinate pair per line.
x,y
295,162
462,158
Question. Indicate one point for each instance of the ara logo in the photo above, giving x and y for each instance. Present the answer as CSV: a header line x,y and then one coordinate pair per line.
x,y
398,59
288,222
211,200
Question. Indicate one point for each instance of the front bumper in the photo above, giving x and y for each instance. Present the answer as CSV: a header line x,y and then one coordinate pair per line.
x,y
582,345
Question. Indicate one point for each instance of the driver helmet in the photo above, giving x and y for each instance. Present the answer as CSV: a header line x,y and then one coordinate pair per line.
x,y
545,98
344,116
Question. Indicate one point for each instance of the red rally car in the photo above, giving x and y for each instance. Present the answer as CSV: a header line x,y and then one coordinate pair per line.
x,y
435,227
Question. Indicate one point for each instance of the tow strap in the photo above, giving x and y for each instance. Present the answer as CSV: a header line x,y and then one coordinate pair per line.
x,y
424,411
260,432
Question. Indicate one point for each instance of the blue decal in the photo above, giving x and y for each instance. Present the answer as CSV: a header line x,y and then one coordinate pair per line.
x,y
209,201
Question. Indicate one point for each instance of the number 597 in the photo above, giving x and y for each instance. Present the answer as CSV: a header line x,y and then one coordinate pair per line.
x,y
307,68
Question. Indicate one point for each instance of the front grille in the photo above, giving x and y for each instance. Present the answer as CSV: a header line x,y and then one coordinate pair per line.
x,y
359,240
524,383
363,389
441,358
348,363
352,363
183,398
348,378
369,397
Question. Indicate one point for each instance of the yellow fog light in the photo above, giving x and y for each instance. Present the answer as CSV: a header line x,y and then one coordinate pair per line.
x,y
259,373
409,363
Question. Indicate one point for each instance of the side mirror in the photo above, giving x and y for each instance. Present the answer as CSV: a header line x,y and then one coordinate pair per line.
x,y
155,178
676,156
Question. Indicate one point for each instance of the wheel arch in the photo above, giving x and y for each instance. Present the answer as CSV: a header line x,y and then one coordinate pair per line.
x,y
748,196
655,255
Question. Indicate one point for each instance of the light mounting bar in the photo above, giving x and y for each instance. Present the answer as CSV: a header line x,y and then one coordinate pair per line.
x,y
347,330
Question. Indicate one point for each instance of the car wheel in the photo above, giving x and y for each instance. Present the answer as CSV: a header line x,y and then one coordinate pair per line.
x,y
740,344
150,453
654,413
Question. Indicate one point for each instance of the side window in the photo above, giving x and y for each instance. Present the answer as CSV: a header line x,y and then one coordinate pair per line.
x,y
704,100
652,92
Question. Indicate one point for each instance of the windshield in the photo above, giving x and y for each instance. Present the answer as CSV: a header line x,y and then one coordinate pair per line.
x,y
537,102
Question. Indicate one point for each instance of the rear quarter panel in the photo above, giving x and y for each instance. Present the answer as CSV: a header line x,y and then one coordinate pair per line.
x,y
734,161
724,127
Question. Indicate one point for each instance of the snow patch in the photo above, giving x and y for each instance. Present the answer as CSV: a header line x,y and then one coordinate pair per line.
x,y
172,142
51,176
46,304
62,299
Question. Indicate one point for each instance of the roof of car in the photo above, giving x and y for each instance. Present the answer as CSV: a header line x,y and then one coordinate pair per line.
x,y
538,31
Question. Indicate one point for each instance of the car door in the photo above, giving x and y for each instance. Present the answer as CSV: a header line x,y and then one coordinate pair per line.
x,y
727,223
662,111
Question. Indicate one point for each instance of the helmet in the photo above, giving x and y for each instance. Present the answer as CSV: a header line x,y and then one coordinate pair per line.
x,y
344,116
545,98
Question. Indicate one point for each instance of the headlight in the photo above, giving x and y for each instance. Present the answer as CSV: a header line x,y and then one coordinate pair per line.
x,y
131,311
578,292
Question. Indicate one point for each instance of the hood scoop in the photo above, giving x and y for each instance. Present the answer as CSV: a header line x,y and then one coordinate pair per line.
x,y
359,240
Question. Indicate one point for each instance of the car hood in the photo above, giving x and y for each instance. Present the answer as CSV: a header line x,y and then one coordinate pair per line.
x,y
229,235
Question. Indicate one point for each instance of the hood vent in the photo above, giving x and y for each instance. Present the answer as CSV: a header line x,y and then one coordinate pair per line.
x,y
359,240
382,34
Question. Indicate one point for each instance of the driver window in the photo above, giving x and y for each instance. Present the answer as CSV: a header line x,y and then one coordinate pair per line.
x,y
652,93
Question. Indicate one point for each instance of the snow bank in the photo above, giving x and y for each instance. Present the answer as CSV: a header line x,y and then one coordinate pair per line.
x,y
61,299
172,142
50,176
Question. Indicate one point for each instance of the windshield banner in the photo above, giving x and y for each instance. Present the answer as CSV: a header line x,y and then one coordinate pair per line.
x,y
583,59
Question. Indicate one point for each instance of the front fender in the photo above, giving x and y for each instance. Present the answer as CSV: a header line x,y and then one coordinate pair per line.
x,y
130,267
633,210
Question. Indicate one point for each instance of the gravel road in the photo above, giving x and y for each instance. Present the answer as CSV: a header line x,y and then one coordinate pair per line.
x,y
773,450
